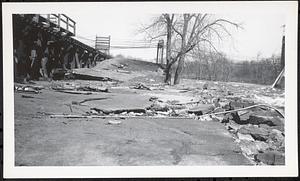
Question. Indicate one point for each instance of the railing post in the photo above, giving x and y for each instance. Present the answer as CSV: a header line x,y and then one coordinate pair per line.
x,y
74,28
58,20
109,45
67,23
48,18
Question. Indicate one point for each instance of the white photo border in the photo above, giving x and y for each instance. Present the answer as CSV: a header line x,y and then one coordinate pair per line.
x,y
288,8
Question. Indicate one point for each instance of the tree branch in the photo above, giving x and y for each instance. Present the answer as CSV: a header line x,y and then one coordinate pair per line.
x,y
177,30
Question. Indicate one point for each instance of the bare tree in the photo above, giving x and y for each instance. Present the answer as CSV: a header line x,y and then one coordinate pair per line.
x,y
184,32
161,27
169,21
196,28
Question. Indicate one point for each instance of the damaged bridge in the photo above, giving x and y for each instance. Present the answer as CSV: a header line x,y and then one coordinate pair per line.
x,y
57,27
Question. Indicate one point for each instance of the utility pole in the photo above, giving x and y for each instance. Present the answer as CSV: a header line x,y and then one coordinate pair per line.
x,y
160,48
282,59
280,77
162,52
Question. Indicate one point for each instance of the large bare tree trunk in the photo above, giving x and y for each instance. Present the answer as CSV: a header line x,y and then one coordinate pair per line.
x,y
168,74
168,49
179,68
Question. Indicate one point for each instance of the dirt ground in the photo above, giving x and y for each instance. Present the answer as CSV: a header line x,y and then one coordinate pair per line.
x,y
41,140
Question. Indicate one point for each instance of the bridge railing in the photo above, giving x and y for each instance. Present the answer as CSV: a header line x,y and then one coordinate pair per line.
x,y
61,21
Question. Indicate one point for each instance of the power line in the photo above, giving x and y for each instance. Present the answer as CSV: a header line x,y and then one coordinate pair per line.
x,y
120,40
131,47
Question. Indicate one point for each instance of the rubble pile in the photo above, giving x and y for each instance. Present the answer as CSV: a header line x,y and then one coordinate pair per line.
x,y
72,87
258,128
31,89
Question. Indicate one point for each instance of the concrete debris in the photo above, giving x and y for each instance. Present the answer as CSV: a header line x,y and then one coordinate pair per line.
x,y
153,98
158,107
206,118
25,96
271,158
93,89
248,147
140,86
233,126
270,121
262,146
124,71
276,136
89,99
75,92
234,116
119,111
247,137
205,86
260,138
27,89
240,103
114,122
80,74
257,133
201,109
78,89
119,66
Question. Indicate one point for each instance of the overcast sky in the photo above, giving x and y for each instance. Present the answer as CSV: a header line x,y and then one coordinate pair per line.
x,y
261,33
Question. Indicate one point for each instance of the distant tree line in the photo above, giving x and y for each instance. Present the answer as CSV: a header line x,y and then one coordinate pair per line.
x,y
216,67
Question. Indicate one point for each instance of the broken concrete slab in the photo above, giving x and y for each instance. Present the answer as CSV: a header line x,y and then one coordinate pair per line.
x,y
257,133
114,122
93,88
280,128
27,89
118,111
276,136
240,103
88,99
232,125
25,96
124,71
248,147
234,116
89,77
271,158
201,109
271,121
158,107
261,146
246,137
75,92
